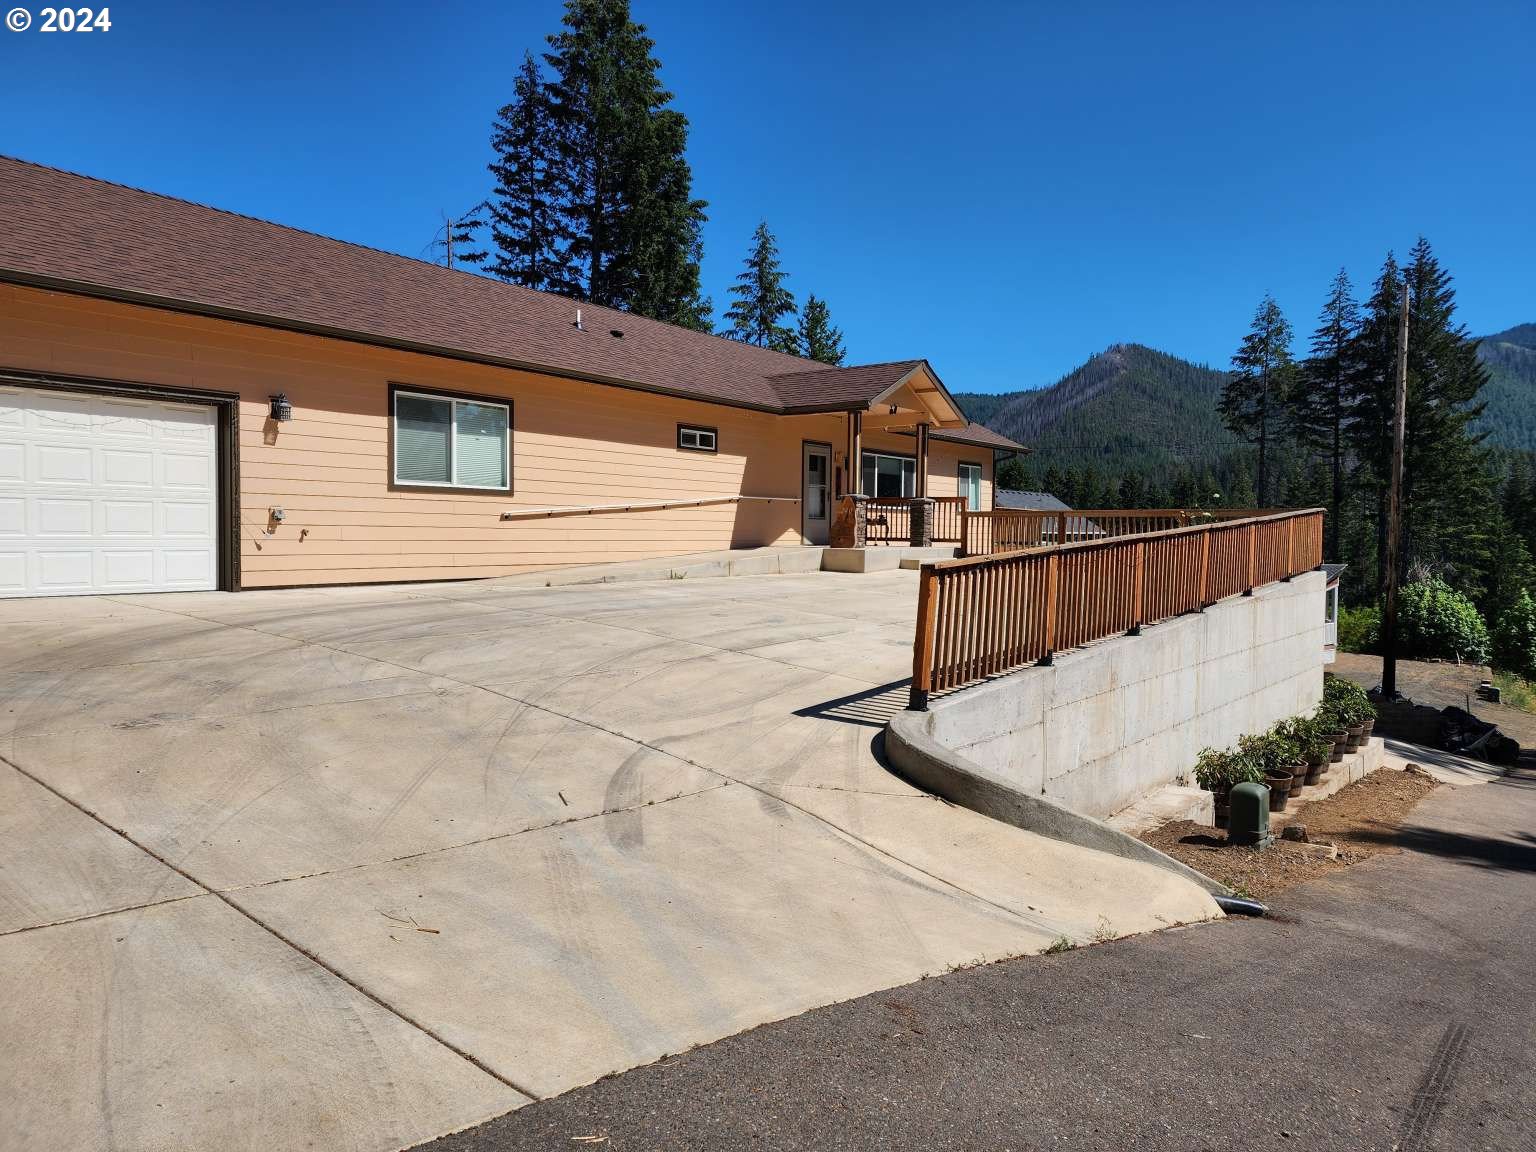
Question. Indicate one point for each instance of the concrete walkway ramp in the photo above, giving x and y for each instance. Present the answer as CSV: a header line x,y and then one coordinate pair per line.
x,y
351,868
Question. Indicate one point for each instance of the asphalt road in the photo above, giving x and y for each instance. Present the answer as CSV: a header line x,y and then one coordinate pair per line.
x,y
1390,1008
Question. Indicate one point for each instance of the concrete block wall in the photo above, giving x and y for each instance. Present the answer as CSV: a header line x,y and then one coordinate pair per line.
x,y
1107,724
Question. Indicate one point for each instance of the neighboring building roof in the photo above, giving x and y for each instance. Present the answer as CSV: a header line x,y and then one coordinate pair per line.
x,y
1030,501
1332,572
75,233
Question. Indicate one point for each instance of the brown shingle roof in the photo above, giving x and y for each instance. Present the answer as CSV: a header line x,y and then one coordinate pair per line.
x,y
977,434
826,387
76,233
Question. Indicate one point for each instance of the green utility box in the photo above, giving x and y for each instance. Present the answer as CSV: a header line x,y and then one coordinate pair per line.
x,y
1248,819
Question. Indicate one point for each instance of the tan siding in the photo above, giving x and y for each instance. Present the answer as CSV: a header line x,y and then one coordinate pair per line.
x,y
573,443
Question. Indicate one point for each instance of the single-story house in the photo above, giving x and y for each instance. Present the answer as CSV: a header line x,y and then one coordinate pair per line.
x,y
194,399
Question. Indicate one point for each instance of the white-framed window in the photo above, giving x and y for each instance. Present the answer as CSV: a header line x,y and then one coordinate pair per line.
x,y
693,438
452,442
889,475
970,486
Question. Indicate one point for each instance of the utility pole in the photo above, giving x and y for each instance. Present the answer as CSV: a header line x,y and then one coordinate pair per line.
x,y
1395,510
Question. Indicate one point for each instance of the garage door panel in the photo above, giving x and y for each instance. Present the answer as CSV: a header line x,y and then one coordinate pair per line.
x,y
58,415
55,516
186,519
13,573
65,570
13,516
124,569
183,471
130,468
127,518
190,568
56,464
103,494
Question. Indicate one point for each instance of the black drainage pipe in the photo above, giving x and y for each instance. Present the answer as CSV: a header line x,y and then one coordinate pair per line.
x,y
1236,905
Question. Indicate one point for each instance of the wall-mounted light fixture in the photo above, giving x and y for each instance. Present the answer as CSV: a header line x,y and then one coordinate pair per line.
x,y
282,411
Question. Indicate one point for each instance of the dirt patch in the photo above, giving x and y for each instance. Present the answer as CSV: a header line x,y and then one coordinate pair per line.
x,y
1359,820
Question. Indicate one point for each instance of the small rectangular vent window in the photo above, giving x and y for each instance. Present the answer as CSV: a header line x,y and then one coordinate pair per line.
x,y
694,439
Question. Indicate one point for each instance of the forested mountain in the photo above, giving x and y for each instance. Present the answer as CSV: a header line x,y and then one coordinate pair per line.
x,y
1510,419
1130,411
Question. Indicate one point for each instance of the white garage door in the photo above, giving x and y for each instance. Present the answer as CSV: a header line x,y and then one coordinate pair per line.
x,y
103,494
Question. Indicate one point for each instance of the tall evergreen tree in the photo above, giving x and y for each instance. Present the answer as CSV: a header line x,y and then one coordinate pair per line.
x,y
762,302
1447,485
632,221
819,340
527,226
1252,398
1321,404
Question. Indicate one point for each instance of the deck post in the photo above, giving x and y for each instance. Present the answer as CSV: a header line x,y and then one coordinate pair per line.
x,y
1052,586
922,649
1253,557
1138,590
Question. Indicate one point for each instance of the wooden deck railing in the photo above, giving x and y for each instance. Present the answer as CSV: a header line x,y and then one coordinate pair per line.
x,y
1010,529
887,519
948,519
984,615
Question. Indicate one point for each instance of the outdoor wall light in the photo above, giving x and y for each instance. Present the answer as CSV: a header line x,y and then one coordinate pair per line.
x,y
282,411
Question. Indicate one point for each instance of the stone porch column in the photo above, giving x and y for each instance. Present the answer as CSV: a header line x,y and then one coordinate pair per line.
x,y
922,522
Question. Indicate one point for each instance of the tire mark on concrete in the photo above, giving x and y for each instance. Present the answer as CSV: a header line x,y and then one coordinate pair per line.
x,y
1429,1097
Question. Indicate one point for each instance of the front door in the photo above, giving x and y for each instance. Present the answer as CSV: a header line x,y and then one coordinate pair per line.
x,y
815,493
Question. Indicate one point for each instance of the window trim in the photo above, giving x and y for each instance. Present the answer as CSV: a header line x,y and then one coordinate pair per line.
x,y
981,475
714,434
397,485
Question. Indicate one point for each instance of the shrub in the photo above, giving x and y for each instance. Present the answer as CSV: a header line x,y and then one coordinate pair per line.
x,y
1514,639
1269,751
1215,770
1306,737
1359,629
1437,622
1344,705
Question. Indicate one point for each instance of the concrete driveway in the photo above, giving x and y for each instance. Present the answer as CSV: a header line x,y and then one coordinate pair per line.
x,y
351,868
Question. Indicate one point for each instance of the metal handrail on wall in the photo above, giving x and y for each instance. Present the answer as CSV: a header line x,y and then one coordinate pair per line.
x,y
986,615
640,506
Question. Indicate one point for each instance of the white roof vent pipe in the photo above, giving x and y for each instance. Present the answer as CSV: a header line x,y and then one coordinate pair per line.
x,y
577,325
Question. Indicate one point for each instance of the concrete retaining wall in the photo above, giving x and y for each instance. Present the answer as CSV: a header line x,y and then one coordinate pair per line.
x,y
1106,724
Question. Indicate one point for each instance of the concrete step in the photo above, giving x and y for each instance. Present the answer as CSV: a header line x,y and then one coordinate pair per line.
x,y
882,559
1167,804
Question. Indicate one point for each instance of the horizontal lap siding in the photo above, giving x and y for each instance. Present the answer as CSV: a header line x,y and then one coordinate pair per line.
x,y
573,443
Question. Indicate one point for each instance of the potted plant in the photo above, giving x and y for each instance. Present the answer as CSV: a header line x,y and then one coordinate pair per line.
x,y
1316,747
1351,706
1217,772
1288,739
1332,726
1271,756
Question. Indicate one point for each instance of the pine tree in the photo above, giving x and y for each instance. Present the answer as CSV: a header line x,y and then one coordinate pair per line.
x,y
1321,405
762,301
455,237
629,224
527,226
819,340
1447,482
1252,399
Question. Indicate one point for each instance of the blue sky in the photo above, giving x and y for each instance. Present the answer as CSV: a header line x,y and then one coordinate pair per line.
x,y
1004,188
